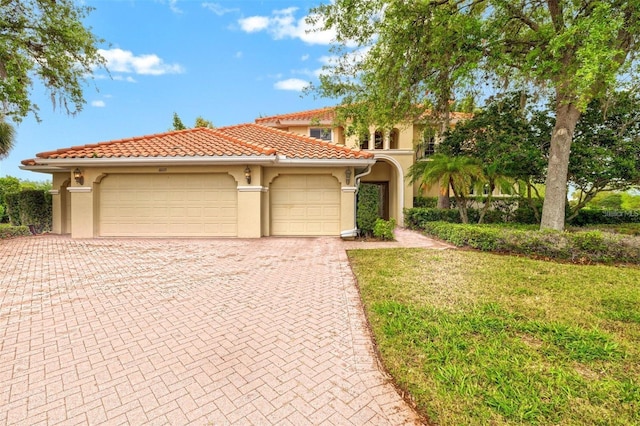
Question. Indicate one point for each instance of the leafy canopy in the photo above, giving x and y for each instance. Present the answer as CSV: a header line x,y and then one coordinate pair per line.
x,y
45,40
412,56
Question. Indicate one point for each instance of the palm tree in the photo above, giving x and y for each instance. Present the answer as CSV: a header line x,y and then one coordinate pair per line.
x,y
7,138
455,173
494,179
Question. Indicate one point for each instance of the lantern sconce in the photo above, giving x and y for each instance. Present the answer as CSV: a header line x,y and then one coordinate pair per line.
x,y
77,175
347,175
247,174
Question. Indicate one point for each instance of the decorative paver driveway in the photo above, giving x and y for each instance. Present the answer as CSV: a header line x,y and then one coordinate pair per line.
x,y
114,331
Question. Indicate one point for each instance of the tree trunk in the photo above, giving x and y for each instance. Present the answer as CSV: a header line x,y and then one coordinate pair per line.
x,y
555,199
443,201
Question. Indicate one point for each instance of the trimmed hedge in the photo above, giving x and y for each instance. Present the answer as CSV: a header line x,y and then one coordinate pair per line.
x,y
605,217
578,247
30,207
8,231
368,208
425,202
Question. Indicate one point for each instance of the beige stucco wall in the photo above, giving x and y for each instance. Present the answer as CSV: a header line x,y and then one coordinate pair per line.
x,y
60,197
253,199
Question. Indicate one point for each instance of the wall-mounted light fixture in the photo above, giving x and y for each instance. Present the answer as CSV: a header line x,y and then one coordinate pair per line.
x,y
77,175
247,174
347,174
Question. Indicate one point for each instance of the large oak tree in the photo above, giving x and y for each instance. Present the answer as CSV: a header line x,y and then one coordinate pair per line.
x,y
415,55
44,40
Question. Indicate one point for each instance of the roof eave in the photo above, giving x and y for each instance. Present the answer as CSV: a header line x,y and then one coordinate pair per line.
x,y
328,162
153,161
43,168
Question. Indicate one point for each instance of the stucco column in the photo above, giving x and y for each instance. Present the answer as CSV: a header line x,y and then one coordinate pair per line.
x,y
82,225
372,139
348,208
56,211
386,140
249,209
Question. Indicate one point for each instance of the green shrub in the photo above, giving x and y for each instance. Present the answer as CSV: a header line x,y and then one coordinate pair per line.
x,y
368,208
384,229
8,231
587,217
30,207
416,217
12,203
425,202
581,247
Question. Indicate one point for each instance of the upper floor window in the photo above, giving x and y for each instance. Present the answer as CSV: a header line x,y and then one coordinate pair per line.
x,y
394,137
427,146
364,141
321,133
379,138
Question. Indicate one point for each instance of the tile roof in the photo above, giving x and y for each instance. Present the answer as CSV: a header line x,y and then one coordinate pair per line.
x,y
240,140
292,145
321,115
327,115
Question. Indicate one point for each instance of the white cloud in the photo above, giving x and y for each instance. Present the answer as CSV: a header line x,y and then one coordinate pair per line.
x,y
218,9
283,24
238,55
125,61
253,24
294,84
98,104
304,57
173,5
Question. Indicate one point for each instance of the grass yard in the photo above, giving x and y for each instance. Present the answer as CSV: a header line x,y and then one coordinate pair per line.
x,y
478,338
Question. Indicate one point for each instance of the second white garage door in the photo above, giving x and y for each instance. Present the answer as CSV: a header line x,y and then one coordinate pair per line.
x,y
305,205
168,205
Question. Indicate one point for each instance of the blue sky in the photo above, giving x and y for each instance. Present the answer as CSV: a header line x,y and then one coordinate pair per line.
x,y
227,61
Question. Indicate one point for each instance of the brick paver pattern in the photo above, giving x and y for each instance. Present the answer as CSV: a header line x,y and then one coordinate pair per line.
x,y
200,331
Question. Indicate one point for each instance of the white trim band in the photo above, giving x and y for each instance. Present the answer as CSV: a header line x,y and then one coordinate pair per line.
x,y
79,189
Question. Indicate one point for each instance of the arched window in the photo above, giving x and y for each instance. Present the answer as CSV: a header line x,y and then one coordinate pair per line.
x,y
364,141
394,137
379,139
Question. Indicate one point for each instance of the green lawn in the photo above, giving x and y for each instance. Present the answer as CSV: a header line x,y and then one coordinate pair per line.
x,y
478,338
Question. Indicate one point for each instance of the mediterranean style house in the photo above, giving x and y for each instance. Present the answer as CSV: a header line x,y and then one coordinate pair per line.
x,y
285,175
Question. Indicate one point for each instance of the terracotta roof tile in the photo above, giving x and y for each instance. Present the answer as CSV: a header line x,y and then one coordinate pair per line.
x,y
321,115
182,143
327,115
240,140
292,145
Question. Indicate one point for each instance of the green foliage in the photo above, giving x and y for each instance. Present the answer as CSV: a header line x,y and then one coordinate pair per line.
x,y
30,207
580,247
368,208
605,154
177,122
12,206
10,231
421,54
7,138
201,122
456,172
46,40
505,136
383,229
425,202
587,217
630,201
12,185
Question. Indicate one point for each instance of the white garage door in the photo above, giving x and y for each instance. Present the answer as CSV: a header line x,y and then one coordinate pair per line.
x,y
168,205
305,205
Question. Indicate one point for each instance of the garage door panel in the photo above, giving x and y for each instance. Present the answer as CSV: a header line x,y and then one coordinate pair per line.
x,y
168,205
305,205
